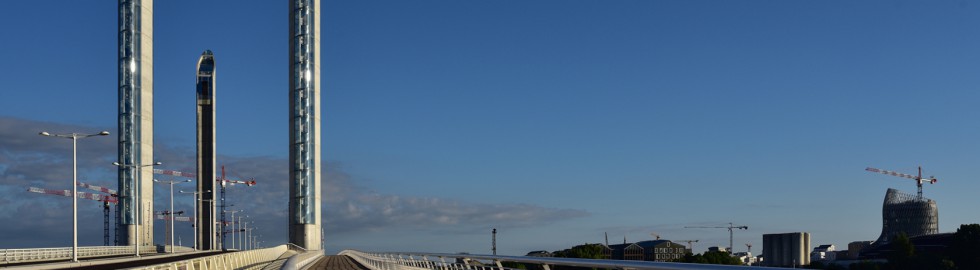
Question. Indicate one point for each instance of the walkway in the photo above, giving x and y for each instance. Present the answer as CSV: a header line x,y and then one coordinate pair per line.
x,y
337,262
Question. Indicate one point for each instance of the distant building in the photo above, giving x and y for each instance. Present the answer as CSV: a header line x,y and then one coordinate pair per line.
x,y
929,244
745,257
823,253
854,249
630,252
786,249
662,250
539,253
718,249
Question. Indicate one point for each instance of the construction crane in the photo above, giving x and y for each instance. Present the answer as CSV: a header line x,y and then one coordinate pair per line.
x,y
106,200
731,232
169,218
918,178
105,208
221,179
690,244
191,175
655,235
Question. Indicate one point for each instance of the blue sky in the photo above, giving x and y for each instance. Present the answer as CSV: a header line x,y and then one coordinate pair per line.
x,y
553,121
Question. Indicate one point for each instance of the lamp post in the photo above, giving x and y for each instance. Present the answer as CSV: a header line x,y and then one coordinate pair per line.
x,y
196,224
246,234
242,243
136,201
233,225
74,184
171,208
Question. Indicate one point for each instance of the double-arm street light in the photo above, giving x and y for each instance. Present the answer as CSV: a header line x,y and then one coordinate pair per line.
x,y
196,223
74,184
136,199
171,208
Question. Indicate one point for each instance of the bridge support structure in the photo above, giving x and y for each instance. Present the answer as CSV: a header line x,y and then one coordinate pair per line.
x,y
209,232
135,64
304,128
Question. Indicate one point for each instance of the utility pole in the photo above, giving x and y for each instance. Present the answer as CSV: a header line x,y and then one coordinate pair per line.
x,y
494,247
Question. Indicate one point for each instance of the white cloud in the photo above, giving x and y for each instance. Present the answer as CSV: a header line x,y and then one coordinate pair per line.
x,y
349,207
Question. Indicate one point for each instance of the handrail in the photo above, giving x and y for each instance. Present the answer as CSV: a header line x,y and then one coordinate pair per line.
x,y
24,255
302,260
446,261
252,259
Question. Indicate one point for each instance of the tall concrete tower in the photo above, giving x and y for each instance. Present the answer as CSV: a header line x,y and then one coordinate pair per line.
x,y
135,122
304,123
209,234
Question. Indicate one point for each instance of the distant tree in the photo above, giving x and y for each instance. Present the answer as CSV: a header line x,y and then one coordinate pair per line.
x,y
902,255
514,265
964,250
586,251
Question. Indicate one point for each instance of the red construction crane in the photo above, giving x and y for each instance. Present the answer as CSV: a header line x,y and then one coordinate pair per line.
x,y
106,199
918,178
81,194
221,178
217,178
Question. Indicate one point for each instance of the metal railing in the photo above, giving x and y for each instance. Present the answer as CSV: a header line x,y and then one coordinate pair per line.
x,y
27,255
445,261
252,259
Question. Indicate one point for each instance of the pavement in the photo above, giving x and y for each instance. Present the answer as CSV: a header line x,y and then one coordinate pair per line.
x,y
337,262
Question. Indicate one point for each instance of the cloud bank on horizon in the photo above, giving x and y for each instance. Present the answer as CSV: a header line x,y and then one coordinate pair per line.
x,y
350,209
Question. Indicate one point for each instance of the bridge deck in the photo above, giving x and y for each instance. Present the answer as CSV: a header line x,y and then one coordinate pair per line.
x,y
337,262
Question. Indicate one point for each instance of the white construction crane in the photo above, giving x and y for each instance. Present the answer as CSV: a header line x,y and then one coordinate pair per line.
x,y
918,178
731,232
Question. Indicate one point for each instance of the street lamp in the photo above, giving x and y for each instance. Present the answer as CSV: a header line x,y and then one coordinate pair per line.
x,y
171,209
196,224
136,201
233,225
74,184
242,244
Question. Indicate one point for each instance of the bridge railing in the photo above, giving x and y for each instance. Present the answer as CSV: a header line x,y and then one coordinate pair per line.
x,y
26,255
445,261
252,259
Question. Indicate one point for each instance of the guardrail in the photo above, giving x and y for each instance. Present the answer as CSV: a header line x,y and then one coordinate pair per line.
x,y
252,259
27,255
445,261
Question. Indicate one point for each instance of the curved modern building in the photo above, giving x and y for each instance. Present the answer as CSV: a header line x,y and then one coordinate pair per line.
x,y
902,212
